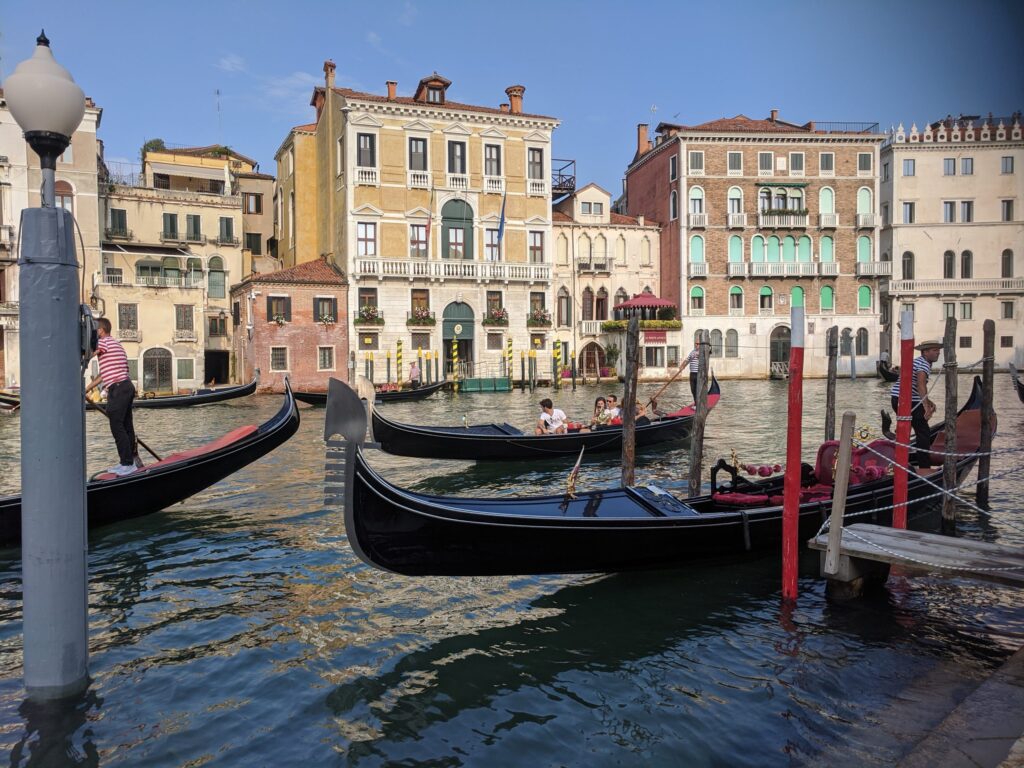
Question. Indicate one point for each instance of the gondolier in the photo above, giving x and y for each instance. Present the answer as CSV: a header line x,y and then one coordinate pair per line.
x,y
694,360
921,406
120,394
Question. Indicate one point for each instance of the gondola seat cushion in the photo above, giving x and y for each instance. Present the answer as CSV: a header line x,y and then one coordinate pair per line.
x,y
224,441
740,499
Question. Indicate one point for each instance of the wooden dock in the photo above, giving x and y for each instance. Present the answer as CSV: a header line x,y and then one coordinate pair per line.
x,y
864,545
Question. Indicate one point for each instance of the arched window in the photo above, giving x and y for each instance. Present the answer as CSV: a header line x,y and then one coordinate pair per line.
x,y
600,248
716,343
764,200
863,249
796,200
171,267
601,305
757,248
735,200
827,254
779,199
828,299
864,302
193,272
908,265
645,251
584,249
735,249
735,300
949,265
564,307
765,299
697,300
804,250
217,277
788,248
696,249
620,251
673,205
861,349
1007,263
885,257
796,296
620,297
588,304
864,200
845,342
148,272
698,336
696,200
732,343
562,250
966,265
64,196
773,248
826,200
457,230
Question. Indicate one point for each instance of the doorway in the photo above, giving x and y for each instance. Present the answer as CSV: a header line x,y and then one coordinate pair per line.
x,y
156,371
217,368
779,352
458,324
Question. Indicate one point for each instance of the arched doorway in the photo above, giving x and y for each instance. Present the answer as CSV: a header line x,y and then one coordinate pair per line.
x,y
459,323
779,352
592,359
156,371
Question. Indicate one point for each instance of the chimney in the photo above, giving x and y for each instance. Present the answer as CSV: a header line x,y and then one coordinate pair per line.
x,y
515,98
392,87
503,107
775,115
329,73
640,220
643,141
810,126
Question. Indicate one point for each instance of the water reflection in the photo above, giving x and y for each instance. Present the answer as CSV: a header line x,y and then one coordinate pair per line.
x,y
55,734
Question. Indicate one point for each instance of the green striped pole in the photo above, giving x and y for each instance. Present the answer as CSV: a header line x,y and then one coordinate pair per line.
x,y
508,360
398,362
455,364
557,367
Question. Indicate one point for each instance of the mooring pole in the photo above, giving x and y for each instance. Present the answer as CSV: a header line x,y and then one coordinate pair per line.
x,y
522,370
902,455
949,460
987,383
398,362
700,416
841,484
387,354
573,369
832,346
791,487
629,402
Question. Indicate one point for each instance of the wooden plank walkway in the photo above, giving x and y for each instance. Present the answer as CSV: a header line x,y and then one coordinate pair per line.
x,y
930,553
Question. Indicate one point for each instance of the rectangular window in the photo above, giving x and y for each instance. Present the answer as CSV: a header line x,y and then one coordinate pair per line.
x,y
1007,310
161,181
536,247
434,95
535,164
227,229
325,358
127,317
216,326
236,314
279,309
366,239
673,168
418,241
193,228
1006,164
254,243
417,154
967,166
598,209
949,166
420,340
654,357
948,212
965,342
325,309
118,222
697,162
253,202
186,368
456,157
585,208
494,342
366,150
735,160
493,301
492,160
948,309
909,168
420,299
907,308
367,297
369,341
796,163
456,243
279,358
170,226
672,357
536,300
908,213
1007,210
966,310
863,163
967,211
827,163
885,214
133,366
492,248
183,317
1004,341
764,163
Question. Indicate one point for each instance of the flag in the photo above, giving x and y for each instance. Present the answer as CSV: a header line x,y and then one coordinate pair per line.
x,y
501,222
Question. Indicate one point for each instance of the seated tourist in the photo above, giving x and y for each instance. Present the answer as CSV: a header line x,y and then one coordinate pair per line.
x,y
552,420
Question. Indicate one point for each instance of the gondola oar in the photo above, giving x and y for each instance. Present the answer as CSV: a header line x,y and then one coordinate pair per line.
x,y
674,377
138,439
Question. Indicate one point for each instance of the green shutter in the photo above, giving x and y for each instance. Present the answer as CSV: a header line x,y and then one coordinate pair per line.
x,y
797,297
863,249
773,248
827,254
765,291
826,201
827,297
735,248
696,249
789,248
805,249
864,297
863,200
757,248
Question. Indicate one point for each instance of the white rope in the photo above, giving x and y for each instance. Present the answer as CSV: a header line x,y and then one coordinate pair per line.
x,y
912,446
901,556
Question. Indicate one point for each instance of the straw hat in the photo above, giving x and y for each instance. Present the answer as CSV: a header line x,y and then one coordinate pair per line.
x,y
930,343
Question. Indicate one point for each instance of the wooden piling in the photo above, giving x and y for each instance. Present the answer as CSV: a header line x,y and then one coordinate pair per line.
x,y
987,382
832,347
794,445
700,416
387,354
899,473
949,460
841,484
628,411
522,370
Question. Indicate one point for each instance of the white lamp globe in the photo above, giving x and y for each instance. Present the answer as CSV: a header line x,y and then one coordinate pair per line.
x,y
44,98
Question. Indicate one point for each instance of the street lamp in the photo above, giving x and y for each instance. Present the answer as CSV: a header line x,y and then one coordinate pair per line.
x,y
49,107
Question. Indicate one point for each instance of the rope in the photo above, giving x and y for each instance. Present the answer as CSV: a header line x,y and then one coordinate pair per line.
x,y
848,532
946,453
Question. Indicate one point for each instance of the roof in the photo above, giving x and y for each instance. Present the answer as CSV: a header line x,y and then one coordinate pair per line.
x,y
739,124
644,300
617,219
348,93
307,128
317,272
255,175
211,150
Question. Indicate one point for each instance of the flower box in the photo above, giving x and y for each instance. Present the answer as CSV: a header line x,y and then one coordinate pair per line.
x,y
610,326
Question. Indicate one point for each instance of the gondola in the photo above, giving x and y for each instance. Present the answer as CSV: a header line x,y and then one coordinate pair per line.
x,y
199,397
618,529
10,399
885,372
175,478
420,393
503,442
1017,383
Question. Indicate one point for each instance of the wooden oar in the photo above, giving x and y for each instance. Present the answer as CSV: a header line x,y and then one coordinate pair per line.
x,y
675,376
138,440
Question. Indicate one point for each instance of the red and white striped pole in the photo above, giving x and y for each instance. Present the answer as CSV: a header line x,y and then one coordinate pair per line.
x,y
899,473
791,487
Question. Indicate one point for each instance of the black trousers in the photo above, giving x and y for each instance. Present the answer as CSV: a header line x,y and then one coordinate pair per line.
x,y
693,386
922,434
119,408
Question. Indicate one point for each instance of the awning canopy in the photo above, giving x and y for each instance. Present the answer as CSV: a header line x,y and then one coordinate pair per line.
x,y
156,251
644,300
190,171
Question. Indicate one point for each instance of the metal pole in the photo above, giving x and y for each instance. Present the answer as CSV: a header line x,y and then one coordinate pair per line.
x,y
949,461
53,505
387,354
574,370
791,487
987,382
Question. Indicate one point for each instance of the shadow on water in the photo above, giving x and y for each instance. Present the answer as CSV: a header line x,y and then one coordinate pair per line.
x,y
49,739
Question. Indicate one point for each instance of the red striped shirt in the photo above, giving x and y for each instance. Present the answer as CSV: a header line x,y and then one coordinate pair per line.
x,y
113,361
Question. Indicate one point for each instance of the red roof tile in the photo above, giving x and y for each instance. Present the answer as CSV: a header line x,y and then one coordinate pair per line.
x,y
618,218
744,124
348,93
308,127
317,271
560,216
615,218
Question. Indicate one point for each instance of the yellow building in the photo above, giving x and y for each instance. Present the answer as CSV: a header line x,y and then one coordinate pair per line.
x,y
439,213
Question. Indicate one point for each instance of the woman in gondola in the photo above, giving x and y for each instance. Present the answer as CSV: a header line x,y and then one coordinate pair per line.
x,y
600,416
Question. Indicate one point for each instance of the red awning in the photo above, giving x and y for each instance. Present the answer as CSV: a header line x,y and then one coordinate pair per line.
x,y
642,300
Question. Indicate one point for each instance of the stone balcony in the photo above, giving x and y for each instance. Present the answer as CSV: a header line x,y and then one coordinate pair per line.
x,y
782,220
874,268
452,269
966,287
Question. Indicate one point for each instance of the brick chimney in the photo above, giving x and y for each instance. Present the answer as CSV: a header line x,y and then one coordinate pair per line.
x,y
392,88
643,141
329,73
515,98
503,107
775,115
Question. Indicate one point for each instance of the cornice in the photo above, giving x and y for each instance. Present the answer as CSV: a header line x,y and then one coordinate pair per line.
x,y
440,114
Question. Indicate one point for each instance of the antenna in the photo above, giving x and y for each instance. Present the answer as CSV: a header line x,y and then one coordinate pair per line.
x,y
654,108
220,132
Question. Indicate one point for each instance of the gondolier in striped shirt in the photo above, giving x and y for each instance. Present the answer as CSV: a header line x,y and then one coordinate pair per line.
x,y
694,360
921,406
120,395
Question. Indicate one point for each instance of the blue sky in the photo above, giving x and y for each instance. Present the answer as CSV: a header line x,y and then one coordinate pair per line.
x,y
599,67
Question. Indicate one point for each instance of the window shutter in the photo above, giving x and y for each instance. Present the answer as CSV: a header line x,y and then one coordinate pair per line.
x,y
270,309
316,310
236,312
288,309
334,309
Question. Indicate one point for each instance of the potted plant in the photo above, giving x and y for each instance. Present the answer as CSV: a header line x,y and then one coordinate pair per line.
x,y
496,316
420,316
538,318
611,356
369,314
326,319
279,319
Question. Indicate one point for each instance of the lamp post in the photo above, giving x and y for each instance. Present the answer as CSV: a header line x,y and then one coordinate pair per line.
x,y
48,106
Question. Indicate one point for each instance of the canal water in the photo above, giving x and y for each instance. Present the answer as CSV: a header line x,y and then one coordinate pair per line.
x,y
238,628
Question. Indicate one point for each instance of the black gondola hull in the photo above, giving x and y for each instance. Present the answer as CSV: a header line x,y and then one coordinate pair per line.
x,y
886,373
420,393
202,397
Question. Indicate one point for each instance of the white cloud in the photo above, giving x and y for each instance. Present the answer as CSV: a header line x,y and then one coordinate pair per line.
x,y
231,63
408,15
290,89
374,40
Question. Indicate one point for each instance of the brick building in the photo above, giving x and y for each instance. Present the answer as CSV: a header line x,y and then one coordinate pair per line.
x,y
757,215
292,323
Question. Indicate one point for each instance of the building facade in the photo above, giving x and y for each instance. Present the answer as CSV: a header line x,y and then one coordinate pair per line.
x,y
952,225
438,212
290,323
757,215
602,259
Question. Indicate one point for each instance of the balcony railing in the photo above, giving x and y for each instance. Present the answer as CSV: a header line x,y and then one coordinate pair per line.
x,y
419,180
494,185
172,237
874,268
9,315
118,233
152,281
129,334
590,327
783,269
458,181
537,187
697,311
359,319
737,269
185,334
828,220
698,269
737,220
736,312
764,171
698,220
225,240
452,269
953,286
367,177
828,268
865,220
781,220
766,311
